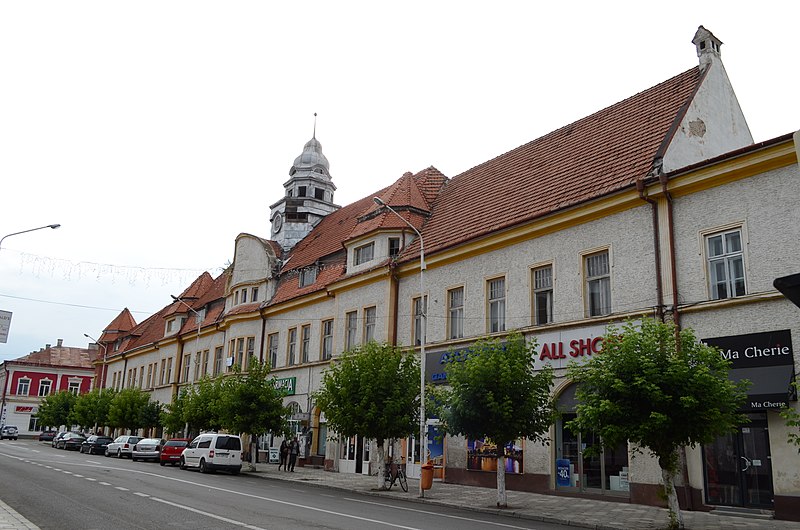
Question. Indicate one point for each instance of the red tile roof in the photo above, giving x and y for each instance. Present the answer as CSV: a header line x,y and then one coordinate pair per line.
x,y
123,323
60,356
594,156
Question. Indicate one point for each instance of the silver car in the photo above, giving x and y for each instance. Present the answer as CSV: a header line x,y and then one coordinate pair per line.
x,y
147,449
122,446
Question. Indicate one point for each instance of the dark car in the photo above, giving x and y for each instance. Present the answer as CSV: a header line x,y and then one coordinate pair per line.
x,y
71,441
47,436
95,444
171,451
57,437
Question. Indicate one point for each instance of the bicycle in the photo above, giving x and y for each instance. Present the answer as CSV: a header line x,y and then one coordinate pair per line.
x,y
394,473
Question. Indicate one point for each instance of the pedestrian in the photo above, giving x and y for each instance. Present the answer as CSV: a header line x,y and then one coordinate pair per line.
x,y
284,455
294,450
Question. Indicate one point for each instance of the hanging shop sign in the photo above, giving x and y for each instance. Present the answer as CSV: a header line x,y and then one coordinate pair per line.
x,y
287,384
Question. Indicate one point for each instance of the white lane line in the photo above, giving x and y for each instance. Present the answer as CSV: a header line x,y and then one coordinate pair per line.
x,y
90,479
68,472
104,483
207,514
120,488
426,512
140,494
78,476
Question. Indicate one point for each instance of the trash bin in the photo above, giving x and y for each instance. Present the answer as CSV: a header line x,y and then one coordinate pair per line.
x,y
427,476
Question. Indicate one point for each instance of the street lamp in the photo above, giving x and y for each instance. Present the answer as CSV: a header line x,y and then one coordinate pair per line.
x,y
105,357
53,226
199,321
423,435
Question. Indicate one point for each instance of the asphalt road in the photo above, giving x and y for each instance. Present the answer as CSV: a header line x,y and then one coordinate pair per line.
x,y
57,489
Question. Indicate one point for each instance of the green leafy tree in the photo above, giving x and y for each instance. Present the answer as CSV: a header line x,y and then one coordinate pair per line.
x,y
202,405
91,408
495,393
792,419
56,409
372,392
129,409
173,415
660,390
251,403
151,415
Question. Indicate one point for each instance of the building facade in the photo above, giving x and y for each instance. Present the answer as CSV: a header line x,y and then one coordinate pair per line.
x,y
660,205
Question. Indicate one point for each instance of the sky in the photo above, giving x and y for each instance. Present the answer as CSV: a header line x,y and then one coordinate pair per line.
x,y
155,132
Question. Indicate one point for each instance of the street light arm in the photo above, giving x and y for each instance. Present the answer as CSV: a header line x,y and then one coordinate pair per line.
x,y
53,226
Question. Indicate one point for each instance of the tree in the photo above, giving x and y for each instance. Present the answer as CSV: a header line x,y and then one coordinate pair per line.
x,y
173,414
91,408
496,394
792,419
151,415
129,409
252,404
659,389
202,405
372,392
55,409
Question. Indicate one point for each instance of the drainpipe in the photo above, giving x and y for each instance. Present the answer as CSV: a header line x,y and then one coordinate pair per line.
x,y
662,178
263,336
656,246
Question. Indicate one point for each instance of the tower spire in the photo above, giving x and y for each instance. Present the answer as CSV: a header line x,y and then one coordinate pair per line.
x,y
314,135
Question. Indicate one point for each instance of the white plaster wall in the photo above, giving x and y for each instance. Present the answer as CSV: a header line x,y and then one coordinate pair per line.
x,y
253,260
766,204
373,294
713,124
312,315
628,235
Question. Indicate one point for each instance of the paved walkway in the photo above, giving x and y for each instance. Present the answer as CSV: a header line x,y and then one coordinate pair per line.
x,y
11,520
573,511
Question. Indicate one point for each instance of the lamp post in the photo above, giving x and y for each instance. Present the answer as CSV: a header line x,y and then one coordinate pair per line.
x,y
199,321
53,226
105,357
423,435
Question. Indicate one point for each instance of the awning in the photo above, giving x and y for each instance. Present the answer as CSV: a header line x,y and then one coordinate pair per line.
x,y
770,386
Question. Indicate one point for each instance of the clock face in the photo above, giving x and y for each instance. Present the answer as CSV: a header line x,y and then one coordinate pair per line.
x,y
277,223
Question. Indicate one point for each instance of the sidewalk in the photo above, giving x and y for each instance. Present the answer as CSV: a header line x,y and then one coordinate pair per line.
x,y
578,512
10,519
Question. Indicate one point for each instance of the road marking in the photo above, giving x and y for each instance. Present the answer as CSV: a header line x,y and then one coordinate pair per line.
x,y
90,479
104,483
140,494
426,512
207,514
79,476
120,488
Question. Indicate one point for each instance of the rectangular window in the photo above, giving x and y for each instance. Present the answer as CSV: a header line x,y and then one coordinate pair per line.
x,y
272,346
327,340
291,348
364,253
197,365
308,276
420,306
75,387
244,296
496,298
170,325
725,264
141,376
250,352
44,387
187,365
455,313
370,318
394,246
598,284
204,366
236,298
169,371
350,330
254,296
149,376
238,359
163,371
218,359
305,343
543,295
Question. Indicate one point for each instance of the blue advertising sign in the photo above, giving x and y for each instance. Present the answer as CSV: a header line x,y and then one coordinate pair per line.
x,y
562,472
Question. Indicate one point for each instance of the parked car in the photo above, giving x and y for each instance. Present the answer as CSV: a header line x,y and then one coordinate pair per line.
x,y
58,437
211,452
122,446
71,441
47,436
171,451
147,449
9,431
95,444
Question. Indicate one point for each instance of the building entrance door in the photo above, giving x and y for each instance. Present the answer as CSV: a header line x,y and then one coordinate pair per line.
x,y
738,467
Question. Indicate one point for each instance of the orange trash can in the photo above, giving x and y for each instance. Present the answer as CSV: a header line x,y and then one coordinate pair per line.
x,y
427,476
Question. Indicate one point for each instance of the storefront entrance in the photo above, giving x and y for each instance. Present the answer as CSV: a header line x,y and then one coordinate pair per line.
x,y
738,467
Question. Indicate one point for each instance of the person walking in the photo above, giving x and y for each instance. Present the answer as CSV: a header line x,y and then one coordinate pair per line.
x,y
284,455
294,450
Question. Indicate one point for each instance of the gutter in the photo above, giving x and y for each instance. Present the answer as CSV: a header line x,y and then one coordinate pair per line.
x,y
657,248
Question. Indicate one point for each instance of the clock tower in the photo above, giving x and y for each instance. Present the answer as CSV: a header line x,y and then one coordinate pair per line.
x,y
308,197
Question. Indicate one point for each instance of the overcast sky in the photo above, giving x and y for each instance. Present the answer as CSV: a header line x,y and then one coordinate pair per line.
x,y
156,132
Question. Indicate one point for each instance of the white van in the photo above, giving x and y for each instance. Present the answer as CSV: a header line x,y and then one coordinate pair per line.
x,y
211,452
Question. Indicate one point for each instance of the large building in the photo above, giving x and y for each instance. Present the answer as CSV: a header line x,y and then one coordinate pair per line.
x,y
659,205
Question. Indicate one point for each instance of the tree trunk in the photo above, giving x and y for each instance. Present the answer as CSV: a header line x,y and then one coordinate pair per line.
x,y
502,498
379,456
675,515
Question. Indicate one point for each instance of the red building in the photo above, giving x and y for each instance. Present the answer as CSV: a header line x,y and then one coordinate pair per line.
x,y
28,380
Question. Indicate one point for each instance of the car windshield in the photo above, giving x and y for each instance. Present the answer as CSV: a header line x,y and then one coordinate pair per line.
x,y
232,443
102,440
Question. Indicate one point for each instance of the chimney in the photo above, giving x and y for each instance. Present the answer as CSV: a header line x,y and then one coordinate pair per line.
x,y
60,342
707,46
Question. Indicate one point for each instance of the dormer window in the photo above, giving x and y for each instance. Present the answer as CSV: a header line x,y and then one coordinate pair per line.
x,y
308,276
244,296
170,325
394,246
236,298
254,298
364,253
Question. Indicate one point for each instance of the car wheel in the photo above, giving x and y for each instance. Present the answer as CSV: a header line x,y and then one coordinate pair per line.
x,y
106,453
162,463
203,468
133,458
119,453
182,464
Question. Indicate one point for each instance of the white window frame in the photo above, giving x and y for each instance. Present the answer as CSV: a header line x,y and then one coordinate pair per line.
x,y
419,307
326,344
455,313
542,294
305,343
272,347
364,253
74,386
291,348
45,387
729,258
597,282
350,329
496,304
23,383
308,276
